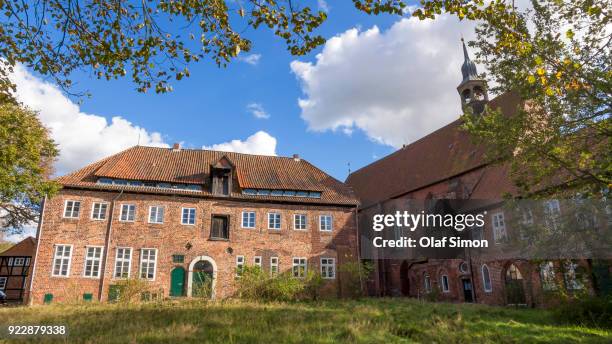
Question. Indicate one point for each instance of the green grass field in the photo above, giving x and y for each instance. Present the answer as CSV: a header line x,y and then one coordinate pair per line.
x,y
364,321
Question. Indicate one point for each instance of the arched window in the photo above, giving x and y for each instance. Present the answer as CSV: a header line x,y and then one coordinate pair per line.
x,y
444,284
466,94
486,279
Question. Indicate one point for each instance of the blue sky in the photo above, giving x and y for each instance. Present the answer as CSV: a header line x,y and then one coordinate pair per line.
x,y
382,82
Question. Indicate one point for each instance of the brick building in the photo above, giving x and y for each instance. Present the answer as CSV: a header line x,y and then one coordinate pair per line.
x,y
15,270
175,217
446,164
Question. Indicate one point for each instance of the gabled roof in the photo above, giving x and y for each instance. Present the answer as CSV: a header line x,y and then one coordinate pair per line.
x,y
25,247
193,166
445,153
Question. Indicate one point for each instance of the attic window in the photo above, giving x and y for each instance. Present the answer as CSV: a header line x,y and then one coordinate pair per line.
x,y
277,192
282,193
178,186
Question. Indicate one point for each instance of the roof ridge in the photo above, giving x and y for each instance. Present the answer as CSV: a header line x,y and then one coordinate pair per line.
x,y
216,150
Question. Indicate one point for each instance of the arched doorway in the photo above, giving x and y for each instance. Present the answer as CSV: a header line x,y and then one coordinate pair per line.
x,y
515,291
202,277
177,281
404,279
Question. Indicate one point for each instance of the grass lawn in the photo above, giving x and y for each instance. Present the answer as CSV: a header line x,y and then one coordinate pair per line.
x,y
364,321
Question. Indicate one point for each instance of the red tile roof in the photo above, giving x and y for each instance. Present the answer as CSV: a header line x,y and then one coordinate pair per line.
x,y
192,166
445,153
25,247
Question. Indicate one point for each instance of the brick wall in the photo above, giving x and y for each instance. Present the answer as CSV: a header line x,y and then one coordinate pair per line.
x,y
192,241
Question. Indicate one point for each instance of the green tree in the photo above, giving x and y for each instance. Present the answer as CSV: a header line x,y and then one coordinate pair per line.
x,y
556,57
25,160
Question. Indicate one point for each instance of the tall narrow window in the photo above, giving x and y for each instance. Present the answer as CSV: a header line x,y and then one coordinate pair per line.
x,y
98,211
547,276
325,223
123,262
573,279
444,284
486,279
188,216
239,265
499,227
299,267
248,219
299,221
72,209
257,261
427,282
552,210
328,268
93,257
273,265
274,221
128,213
156,214
148,260
61,260
220,227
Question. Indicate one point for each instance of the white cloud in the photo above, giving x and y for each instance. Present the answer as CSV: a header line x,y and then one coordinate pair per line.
x,y
323,5
257,110
82,138
260,143
396,85
252,59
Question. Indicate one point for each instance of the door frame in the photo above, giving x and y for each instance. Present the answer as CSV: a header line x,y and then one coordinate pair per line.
x,y
190,275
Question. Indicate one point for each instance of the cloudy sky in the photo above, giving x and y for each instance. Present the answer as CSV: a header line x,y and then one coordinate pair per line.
x,y
378,83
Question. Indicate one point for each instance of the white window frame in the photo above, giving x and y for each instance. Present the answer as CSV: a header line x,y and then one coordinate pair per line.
x,y
274,265
280,221
295,217
101,215
328,269
427,282
498,226
122,260
188,209
55,257
300,273
19,262
248,225
257,261
3,282
444,286
239,265
331,223
93,261
71,209
157,208
484,282
122,212
548,278
148,261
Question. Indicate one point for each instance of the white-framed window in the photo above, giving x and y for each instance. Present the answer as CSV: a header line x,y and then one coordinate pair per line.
x,y
239,265
547,276
274,221
572,278
98,211
300,267
499,226
328,268
325,223
248,219
552,210
93,258
128,213
27,262
299,222
3,282
486,278
444,284
188,216
61,260
427,282
123,262
148,262
257,261
156,214
273,265
19,262
72,209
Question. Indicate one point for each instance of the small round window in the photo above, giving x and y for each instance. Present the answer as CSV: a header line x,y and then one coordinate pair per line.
x,y
463,267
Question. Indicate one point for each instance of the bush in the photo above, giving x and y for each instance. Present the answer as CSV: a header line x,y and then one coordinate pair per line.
x,y
588,311
354,273
132,290
255,284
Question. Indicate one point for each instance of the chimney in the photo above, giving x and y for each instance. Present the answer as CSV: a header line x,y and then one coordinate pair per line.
x,y
176,147
296,157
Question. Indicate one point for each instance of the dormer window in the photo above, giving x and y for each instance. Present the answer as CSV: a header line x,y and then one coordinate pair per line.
x,y
221,174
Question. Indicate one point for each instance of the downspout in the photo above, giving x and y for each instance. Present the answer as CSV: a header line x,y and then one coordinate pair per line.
x,y
109,232
358,250
35,258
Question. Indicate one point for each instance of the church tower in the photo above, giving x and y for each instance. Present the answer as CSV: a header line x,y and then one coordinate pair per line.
x,y
472,90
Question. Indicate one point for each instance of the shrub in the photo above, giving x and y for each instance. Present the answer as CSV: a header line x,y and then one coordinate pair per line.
x,y
132,290
256,284
353,274
588,311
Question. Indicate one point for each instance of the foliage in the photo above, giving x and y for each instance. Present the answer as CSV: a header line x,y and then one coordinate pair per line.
x,y
25,164
557,57
378,320
133,290
257,285
591,311
203,289
354,274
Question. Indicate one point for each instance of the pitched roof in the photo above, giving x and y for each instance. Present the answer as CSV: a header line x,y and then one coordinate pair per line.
x,y
25,247
446,152
193,166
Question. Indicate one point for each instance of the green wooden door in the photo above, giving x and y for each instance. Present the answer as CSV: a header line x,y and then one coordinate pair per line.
x,y
177,281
